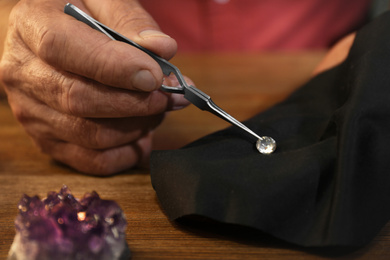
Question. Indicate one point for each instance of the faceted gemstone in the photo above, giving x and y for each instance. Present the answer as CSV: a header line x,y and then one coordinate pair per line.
x,y
61,227
266,145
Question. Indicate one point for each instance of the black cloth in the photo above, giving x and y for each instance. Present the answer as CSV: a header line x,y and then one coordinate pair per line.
x,y
328,182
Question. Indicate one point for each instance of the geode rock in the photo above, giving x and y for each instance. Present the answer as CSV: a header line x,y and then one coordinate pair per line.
x,y
61,227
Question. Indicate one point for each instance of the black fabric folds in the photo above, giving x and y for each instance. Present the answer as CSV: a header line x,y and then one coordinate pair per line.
x,y
327,184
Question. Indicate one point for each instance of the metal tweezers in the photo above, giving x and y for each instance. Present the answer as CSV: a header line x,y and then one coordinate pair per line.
x,y
191,93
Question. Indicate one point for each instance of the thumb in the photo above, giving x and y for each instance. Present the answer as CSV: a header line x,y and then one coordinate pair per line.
x,y
130,19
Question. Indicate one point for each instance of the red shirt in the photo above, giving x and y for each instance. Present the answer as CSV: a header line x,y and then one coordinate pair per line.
x,y
256,25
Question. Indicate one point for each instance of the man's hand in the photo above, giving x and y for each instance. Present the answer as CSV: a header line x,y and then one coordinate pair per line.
x,y
86,100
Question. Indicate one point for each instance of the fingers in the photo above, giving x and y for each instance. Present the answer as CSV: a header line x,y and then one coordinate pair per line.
x,y
77,96
67,44
99,147
131,20
85,100
100,162
41,123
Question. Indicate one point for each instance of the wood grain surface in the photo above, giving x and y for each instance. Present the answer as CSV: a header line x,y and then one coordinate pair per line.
x,y
241,84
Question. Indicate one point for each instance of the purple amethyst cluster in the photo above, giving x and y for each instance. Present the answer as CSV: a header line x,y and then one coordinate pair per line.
x,y
61,227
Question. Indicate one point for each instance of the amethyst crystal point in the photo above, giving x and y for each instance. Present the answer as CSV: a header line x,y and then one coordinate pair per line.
x,y
61,227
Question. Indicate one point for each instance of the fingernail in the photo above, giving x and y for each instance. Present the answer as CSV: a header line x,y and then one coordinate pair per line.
x,y
152,33
144,80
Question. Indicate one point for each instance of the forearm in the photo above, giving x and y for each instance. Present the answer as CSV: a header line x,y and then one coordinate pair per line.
x,y
5,9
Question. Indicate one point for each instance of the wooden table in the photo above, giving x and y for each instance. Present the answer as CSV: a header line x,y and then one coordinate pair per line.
x,y
243,85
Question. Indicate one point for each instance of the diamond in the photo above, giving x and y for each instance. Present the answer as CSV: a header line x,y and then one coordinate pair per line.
x,y
266,145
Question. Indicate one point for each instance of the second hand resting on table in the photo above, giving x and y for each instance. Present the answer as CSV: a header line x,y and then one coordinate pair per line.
x,y
85,100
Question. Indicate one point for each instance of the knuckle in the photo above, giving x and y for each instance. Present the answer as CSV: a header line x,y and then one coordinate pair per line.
x,y
5,76
92,135
20,114
72,93
105,64
47,49
102,138
85,131
23,115
97,138
10,69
